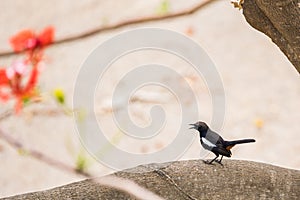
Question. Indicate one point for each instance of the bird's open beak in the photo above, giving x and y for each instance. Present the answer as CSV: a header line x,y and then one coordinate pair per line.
x,y
194,126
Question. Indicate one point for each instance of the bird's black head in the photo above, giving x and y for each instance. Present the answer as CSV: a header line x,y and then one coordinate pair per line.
x,y
200,126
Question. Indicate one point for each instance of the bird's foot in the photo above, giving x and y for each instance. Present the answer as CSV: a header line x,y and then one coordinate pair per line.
x,y
219,161
208,162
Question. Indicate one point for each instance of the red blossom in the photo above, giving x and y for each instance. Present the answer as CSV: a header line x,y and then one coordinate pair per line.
x,y
28,40
15,83
4,81
20,79
3,77
31,82
46,36
23,40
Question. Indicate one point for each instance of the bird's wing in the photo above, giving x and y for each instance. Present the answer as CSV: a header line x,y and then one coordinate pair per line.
x,y
221,150
211,140
218,141
214,137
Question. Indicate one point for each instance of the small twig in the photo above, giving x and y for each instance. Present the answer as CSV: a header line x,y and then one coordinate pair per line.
x,y
47,112
162,173
125,23
9,112
6,114
40,156
62,109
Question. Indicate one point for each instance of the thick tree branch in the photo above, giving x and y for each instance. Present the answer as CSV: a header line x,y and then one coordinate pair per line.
x,y
280,20
188,180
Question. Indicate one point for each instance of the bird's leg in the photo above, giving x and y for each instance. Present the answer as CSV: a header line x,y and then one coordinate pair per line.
x,y
210,162
219,161
213,160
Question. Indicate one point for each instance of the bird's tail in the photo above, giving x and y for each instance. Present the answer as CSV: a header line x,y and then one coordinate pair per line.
x,y
234,142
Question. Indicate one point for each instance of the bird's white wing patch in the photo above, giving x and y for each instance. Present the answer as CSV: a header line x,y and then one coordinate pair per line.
x,y
208,143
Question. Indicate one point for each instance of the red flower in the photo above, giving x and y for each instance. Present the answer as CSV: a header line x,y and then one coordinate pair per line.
x,y
27,39
3,78
23,40
20,79
46,36
4,81
16,82
28,89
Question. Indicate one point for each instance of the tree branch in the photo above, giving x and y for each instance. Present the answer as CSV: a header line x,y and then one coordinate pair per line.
x,y
196,180
40,156
121,24
280,20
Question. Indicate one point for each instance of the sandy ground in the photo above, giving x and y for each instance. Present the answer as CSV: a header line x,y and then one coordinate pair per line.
x,y
261,86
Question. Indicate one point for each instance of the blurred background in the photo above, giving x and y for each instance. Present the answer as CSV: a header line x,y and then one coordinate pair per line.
x,y
262,89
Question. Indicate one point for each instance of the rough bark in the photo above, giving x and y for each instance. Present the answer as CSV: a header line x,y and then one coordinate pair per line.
x,y
190,180
280,20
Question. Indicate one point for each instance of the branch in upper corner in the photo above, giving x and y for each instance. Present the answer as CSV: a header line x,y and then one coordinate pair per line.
x,y
279,20
97,30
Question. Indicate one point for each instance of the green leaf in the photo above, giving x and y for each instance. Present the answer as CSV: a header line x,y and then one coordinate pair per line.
x,y
164,7
22,152
59,95
81,162
26,100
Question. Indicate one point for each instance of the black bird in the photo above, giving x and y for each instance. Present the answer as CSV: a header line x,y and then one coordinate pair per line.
x,y
213,142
